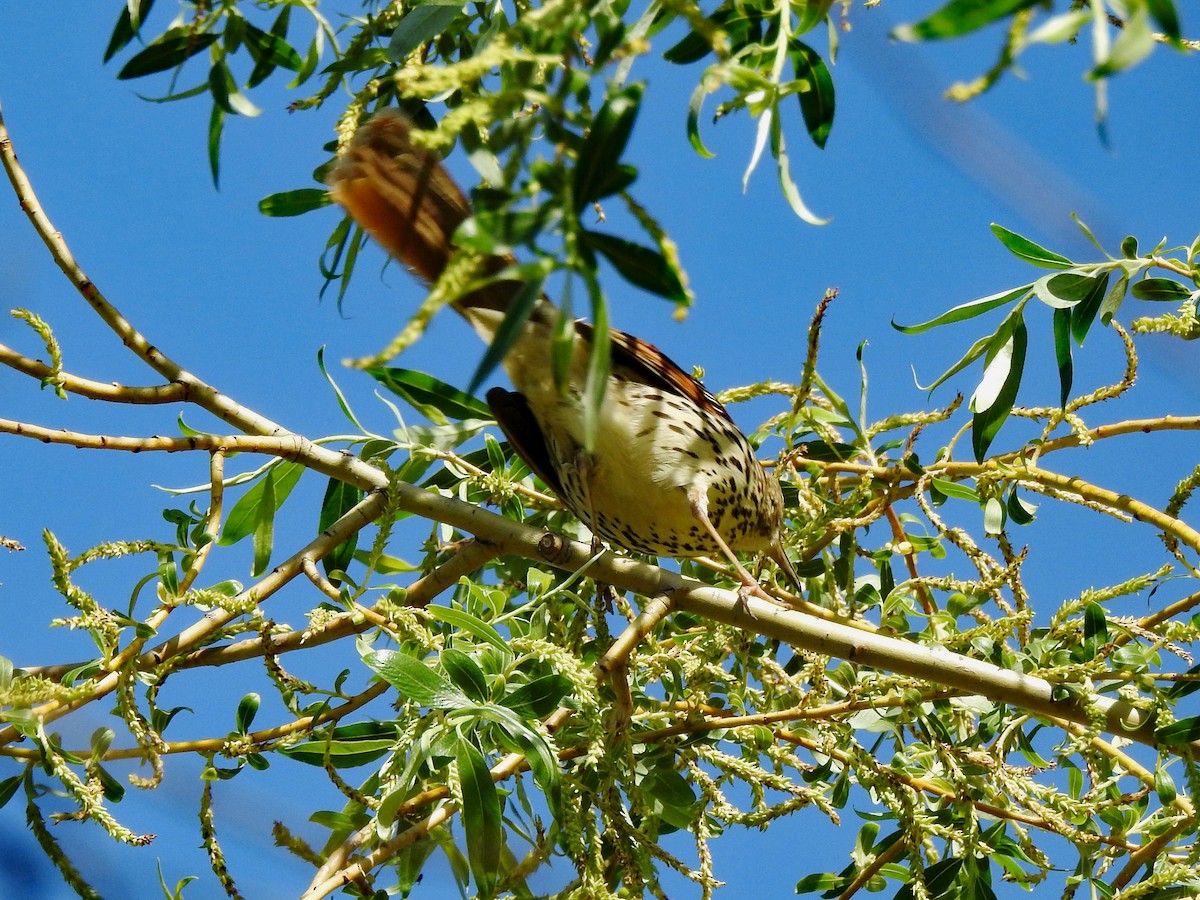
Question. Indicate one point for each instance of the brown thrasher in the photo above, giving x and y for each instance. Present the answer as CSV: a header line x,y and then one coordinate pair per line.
x,y
669,473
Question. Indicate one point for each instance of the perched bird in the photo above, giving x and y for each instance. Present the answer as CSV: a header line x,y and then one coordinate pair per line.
x,y
669,474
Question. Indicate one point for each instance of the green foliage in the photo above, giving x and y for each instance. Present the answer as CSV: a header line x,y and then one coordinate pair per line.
x,y
1078,293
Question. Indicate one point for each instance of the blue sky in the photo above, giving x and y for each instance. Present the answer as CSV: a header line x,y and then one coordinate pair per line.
x,y
911,183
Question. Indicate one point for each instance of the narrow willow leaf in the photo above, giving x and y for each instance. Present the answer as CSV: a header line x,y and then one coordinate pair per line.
x,y
473,625
271,50
1063,290
641,266
1063,27
1062,354
293,203
787,183
1164,786
241,520
695,104
1095,630
1007,365
1114,298
216,126
1183,688
960,17
599,366
815,91
167,51
670,797
225,93
1084,314
956,489
1167,17
415,681
465,673
422,22
1027,250
1133,44
506,336
344,754
965,311
601,151
539,697
264,526
1160,289
434,399
246,711
481,818
133,14
1020,511
339,499
1182,732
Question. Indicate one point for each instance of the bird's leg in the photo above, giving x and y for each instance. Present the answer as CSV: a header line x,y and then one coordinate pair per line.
x,y
780,556
583,463
698,501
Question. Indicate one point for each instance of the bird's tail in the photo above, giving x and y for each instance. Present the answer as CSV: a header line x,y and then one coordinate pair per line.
x,y
406,200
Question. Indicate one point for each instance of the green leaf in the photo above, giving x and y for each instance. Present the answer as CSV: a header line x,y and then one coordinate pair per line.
x,y
270,49
695,104
245,513
225,93
669,795
640,266
599,366
8,787
339,499
1167,17
538,698
1182,688
133,14
960,17
815,91
509,331
741,27
1062,354
472,625
1084,313
342,754
465,673
1063,290
481,818
423,22
1134,43
246,711
1025,249
997,391
1163,785
956,489
965,311
596,168
437,401
1095,630
1021,512
1160,289
1182,732
415,681
1114,298
170,49
216,127
264,526
293,203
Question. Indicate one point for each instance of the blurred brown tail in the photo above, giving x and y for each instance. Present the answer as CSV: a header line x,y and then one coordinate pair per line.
x,y
406,200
